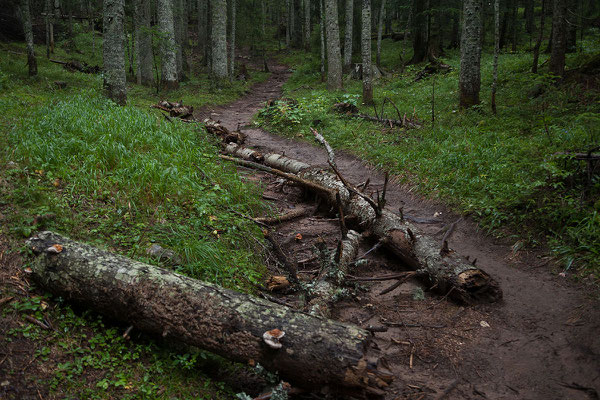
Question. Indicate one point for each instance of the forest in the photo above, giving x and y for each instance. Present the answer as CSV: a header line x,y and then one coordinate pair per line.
x,y
299,199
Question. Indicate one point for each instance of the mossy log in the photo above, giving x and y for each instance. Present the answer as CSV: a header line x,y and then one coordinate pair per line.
x,y
332,275
445,271
314,351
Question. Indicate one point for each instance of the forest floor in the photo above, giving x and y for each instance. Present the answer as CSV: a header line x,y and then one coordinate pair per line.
x,y
540,342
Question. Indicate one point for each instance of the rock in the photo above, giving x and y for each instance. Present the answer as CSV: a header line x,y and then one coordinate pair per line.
x,y
165,256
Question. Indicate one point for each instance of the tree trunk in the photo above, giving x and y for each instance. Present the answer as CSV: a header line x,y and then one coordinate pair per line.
x,y
334,54
219,38
572,23
178,18
307,28
419,30
348,35
323,44
538,43
380,32
367,69
232,40
143,42
496,52
114,52
25,12
559,38
288,23
168,45
529,14
202,26
470,54
443,269
314,351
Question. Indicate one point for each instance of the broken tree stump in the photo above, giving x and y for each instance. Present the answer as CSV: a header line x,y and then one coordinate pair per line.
x,y
313,352
444,270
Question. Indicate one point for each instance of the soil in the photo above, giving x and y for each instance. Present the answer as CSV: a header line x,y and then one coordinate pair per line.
x,y
541,342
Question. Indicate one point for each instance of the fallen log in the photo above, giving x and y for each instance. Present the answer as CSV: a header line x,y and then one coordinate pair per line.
x,y
332,275
288,216
351,110
443,269
79,66
215,128
175,110
306,350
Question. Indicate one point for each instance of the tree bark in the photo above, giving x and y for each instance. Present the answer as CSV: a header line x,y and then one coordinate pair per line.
x,y
367,69
334,53
307,28
323,43
168,45
178,25
314,352
143,43
25,12
232,40
559,38
348,35
202,28
114,52
380,33
496,52
443,269
538,43
470,54
419,29
219,38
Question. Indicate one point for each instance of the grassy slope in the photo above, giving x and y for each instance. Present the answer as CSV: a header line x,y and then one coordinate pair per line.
x,y
499,168
124,178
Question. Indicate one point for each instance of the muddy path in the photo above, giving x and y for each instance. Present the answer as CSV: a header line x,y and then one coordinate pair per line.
x,y
541,342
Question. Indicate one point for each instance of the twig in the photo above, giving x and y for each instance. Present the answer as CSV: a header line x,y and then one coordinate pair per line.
x,y
372,249
37,322
355,191
400,282
319,138
402,275
292,214
249,164
450,230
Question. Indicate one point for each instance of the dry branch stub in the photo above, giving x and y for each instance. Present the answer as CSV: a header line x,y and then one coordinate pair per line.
x,y
446,273
314,351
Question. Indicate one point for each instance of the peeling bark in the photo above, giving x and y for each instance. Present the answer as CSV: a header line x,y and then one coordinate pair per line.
x,y
315,351
445,271
325,291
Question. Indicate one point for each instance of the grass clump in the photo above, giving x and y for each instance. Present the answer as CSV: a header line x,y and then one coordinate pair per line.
x,y
130,179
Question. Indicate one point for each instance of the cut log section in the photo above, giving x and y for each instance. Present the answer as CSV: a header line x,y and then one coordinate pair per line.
x,y
445,271
306,350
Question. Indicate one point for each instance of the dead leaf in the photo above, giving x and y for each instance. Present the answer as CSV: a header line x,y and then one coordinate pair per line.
x,y
56,182
277,283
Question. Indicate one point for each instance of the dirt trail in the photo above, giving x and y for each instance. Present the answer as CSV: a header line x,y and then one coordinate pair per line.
x,y
543,340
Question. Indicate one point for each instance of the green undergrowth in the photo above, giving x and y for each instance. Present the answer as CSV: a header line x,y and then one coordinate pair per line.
x,y
122,178
503,168
85,357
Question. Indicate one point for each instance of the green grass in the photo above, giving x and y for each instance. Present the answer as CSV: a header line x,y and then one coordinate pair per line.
x,y
122,178
500,168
